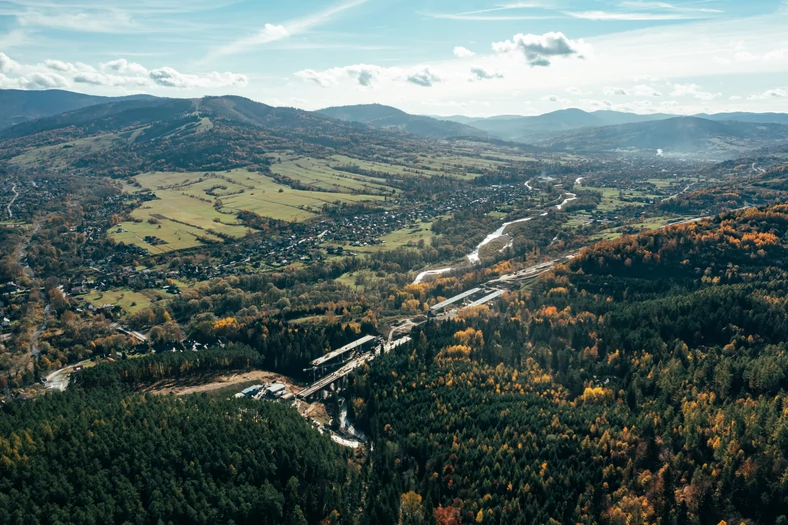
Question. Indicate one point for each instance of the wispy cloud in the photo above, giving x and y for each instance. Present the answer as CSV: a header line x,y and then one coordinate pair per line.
x,y
485,18
644,10
274,33
484,14
629,17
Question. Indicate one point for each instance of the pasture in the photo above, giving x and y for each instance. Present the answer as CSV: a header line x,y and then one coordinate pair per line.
x,y
194,205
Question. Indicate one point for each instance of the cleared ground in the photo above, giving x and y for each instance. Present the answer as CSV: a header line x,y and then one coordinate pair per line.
x,y
198,385
128,300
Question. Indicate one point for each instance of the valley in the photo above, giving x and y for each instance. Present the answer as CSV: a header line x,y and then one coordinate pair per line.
x,y
581,330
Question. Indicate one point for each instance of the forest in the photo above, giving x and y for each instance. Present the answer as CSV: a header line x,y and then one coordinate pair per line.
x,y
108,456
642,383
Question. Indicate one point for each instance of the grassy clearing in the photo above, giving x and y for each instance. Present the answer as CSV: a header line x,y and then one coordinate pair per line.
x,y
59,155
395,239
128,300
186,207
320,174
611,200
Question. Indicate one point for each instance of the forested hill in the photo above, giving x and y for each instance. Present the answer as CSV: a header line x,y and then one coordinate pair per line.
x,y
210,133
643,383
110,457
386,117
17,105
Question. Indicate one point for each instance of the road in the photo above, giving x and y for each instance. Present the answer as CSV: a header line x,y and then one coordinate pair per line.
x,y
682,192
16,195
22,251
141,338
34,351
322,383
59,379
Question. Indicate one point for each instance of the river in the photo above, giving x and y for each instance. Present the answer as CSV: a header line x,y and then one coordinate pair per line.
x,y
474,257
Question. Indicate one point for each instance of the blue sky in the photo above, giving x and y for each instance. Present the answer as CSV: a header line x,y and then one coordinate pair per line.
x,y
439,57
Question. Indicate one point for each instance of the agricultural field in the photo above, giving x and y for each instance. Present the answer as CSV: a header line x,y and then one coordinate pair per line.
x,y
128,300
194,205
320,174
403,237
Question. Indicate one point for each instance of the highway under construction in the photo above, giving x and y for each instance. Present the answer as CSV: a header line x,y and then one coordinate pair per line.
x,y
364,349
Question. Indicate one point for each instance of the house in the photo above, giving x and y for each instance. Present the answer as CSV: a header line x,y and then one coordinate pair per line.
x,y
276,390
252,390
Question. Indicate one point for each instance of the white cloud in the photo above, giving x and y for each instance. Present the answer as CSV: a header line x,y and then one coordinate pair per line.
x,y
34,81
479,73
556,99
273,33
775,93
463,52
7,64
610,91
54,73
424,77
169,77
363,74
539,50
123,66
693,90
643,90
770,94
595,104
574,91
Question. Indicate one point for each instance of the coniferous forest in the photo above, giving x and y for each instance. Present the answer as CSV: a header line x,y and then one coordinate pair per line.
x,y
642,382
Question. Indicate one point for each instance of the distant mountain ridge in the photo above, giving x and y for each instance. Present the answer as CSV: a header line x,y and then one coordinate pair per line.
x,y
679,135
386,117
18,106
539,128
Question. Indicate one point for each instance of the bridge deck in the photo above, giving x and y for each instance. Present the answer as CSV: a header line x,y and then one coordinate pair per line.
x,y
339,351
487,298
454,299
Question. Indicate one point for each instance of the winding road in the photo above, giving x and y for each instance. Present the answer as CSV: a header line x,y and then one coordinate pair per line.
x,y
16,196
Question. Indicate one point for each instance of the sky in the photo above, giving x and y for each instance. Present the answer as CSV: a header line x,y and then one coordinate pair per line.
x,y
432,57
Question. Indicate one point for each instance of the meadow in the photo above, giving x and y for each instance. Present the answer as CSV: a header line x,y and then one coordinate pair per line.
x,y
194,205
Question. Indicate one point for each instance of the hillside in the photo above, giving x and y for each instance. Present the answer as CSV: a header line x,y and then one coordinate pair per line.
x,y
385,117
758,118
128,137
17,106
682,135
531,129
642,383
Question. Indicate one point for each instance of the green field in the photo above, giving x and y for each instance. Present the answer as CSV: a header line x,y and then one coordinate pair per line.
x,y
128,300
611,200
320,174
187,208
395,239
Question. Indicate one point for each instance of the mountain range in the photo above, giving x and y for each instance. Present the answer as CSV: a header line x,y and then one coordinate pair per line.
x,y
72,116
679,135
386,117
17,106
